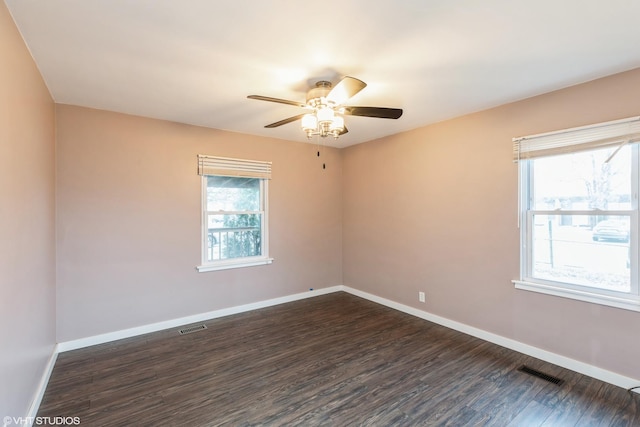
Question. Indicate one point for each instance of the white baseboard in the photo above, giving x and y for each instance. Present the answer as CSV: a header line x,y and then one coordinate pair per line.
x,y
547,356
42,384
167,324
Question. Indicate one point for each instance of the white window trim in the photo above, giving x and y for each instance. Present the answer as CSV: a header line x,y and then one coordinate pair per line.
x,y
234,167
629,301
235,263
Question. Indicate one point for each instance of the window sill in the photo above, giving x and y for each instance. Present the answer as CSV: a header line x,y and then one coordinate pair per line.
x,y
631,303
226,265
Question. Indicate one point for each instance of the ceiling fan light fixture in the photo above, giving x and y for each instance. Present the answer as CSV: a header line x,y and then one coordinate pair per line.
x,y
322,124
309,124
337,126
325,115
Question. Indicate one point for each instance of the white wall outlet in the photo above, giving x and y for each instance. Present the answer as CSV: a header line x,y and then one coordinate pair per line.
x,y
421,296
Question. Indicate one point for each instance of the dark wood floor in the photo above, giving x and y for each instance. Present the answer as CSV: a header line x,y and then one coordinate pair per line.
x,y
334,360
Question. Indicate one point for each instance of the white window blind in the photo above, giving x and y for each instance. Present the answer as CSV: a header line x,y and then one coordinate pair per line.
x,y
224,166
571,140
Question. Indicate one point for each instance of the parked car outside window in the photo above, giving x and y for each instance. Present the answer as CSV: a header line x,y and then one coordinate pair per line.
x,y
611,229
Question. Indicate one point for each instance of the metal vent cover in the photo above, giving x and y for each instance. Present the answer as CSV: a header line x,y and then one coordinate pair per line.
x,y
534,372
192,329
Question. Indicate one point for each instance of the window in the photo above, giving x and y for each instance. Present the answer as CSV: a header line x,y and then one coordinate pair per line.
x,y
579,213
234,212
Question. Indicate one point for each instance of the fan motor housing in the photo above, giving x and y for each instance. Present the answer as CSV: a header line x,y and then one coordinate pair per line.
x,y
315,95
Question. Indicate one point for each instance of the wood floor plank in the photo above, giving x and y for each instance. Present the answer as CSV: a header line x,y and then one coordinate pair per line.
x,y
330,360
533,415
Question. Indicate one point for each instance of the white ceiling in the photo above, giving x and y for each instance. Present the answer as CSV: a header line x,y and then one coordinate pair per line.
x,y
195,61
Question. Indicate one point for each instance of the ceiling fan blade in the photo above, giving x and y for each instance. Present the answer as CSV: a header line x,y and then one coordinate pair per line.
x,y
278,100
345,89
378,112
285,121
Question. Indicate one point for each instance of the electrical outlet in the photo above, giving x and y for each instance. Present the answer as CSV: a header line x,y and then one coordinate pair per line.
x,y
421,296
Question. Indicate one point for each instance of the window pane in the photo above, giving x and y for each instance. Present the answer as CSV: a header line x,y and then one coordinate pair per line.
x,y
584,180
234,236
566,248
233,194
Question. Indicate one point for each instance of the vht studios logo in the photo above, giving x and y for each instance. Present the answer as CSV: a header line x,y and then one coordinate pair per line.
x,y
39,421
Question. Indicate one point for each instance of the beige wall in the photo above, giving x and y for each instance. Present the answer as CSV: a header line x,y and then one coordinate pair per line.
x,y
27,215
435,210
129,221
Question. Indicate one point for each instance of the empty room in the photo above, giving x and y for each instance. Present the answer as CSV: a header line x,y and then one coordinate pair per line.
x,y
347,213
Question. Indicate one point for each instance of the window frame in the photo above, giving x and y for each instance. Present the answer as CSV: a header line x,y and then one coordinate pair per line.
x,y
625,300
240,262
630,300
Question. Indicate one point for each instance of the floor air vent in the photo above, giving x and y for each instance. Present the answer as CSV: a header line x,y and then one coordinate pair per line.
x,y
542,375
192,329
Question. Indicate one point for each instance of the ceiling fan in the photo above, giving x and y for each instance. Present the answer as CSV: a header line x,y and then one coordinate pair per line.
x,y
326,105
